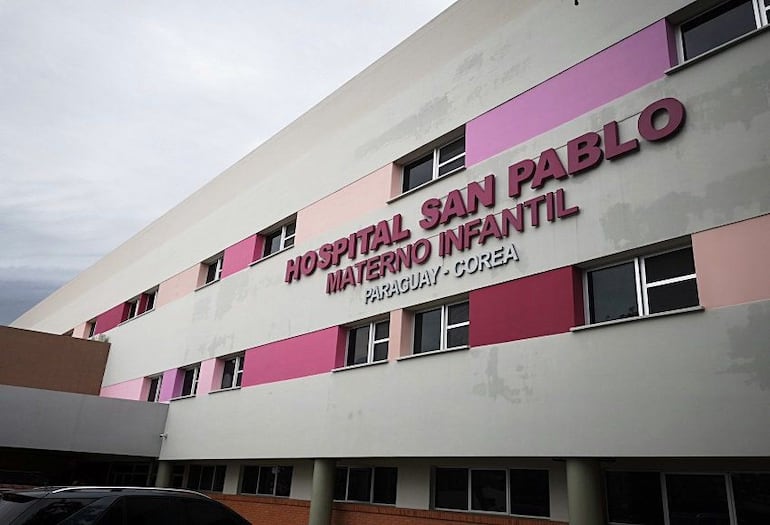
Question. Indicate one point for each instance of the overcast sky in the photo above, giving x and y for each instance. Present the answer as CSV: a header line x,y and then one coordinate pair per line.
x,y
112,112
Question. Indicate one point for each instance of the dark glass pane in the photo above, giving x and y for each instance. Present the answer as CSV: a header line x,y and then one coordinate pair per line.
x,y
612,293
451,166
669,265
451,150
250,478
451,488
177,476
12,505
91,329
458,313
488,490
219,478
418,173
187,383
700,499
288,243
291,228
114,515
239,375
272,243
194,477
228,373
672,296
266,480
151,395
456,337
207,478
150,510
385,483
713,28
427,331
381,330
211,273
358,345
752,498
380,351
530,494
150,302
359,484
340,483
634,497
283,481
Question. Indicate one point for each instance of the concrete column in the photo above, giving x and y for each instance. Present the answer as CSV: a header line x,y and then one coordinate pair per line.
x,y
585,495
322,493
163,477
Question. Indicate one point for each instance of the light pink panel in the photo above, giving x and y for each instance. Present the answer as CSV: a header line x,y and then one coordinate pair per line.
x,y
401,327
171,385
309,354
345,205
240,255
207,376
178,286
625,66
731,263
80,331
132,389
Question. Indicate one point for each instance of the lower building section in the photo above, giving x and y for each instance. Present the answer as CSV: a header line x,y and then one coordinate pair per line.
x,y
504,491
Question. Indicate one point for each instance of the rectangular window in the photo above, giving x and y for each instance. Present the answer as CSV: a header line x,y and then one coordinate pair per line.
x,y
444,160
177,476
232,372
368,343
634,497
147,301
693,497
366,484
267,480
279,238
721,24
642,286
132,309
154,392
91,328
441,328
213,268
190,381
517,491
206,477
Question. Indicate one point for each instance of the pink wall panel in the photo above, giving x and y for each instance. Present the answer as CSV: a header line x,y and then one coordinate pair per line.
x,y
241,254
543,304
207,376
80,331
731,263
111,318
178,286
171,385
309,354
628,65
345,205
132,389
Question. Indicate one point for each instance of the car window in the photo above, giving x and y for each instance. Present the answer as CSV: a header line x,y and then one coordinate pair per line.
x,y
12,505
56,510
151,510
208,512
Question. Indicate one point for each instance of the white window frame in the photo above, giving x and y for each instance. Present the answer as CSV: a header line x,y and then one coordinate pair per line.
x,y
761,19
640,282
151,293
156,396
217,262
371,341
196,375
133,308
284,237
445,326
237,371
436,165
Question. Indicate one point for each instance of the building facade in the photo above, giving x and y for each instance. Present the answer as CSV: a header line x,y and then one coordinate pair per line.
x,y
513,272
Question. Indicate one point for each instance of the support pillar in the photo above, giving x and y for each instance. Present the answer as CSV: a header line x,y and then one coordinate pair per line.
x,y
322,493
585,494
163,477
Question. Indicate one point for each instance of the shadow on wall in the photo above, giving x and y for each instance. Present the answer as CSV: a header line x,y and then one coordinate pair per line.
x,y
750,346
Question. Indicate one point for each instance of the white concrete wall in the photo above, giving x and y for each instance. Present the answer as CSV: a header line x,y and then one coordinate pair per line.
x,y
425,87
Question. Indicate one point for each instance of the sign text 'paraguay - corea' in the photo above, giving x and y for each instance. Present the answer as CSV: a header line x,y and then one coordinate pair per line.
x,y
658,121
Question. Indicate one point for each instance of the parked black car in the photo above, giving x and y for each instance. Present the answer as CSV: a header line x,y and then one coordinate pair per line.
x,y
112,506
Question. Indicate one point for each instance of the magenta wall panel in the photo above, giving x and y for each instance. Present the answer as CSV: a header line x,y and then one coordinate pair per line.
x,y
625,66
171,385
309,354
543,304
111,318
241,254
